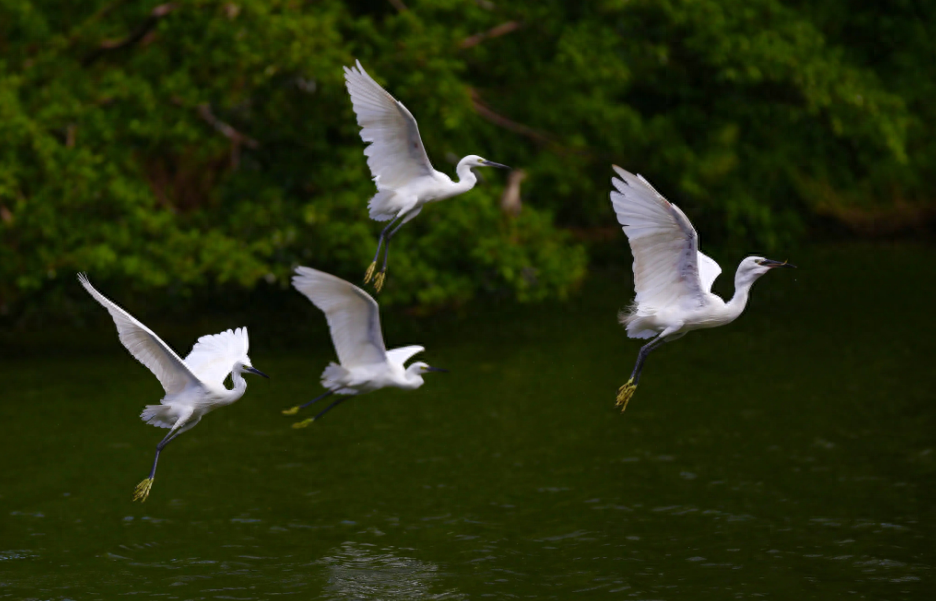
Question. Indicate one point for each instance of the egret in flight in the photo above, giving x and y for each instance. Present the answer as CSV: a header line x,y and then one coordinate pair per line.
x,y
672,279
397,159
193,387
354,321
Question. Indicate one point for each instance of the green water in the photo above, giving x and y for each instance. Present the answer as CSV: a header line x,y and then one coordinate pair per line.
x,y
789,455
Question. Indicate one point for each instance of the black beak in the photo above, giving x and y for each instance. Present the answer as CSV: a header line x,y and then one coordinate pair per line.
x,y
439,369
488,163
772,263
254,370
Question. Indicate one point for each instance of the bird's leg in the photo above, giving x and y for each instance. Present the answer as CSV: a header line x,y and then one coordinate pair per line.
x,y
627,390
295,410
143,488
306,422
380,240
379,280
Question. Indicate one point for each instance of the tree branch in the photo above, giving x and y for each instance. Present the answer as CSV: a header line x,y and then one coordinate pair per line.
x,y
237,139
495,32
148,25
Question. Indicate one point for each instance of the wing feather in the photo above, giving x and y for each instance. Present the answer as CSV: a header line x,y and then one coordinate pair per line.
x,y
353,316
664,244
213,356
396,154
145,346
402,355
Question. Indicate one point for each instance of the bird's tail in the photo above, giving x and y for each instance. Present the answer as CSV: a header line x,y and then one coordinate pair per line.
x,y
160,416
636,324
334,376
381,206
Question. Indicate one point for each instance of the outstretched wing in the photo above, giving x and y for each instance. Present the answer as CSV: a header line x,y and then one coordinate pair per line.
x,y
353,316
147,347
708,271
213,356
396,154
402,355
664,244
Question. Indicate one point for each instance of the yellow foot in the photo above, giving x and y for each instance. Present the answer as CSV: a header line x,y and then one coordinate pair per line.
x,y
379,280
142,490
304,423
291,410
625,393
370,272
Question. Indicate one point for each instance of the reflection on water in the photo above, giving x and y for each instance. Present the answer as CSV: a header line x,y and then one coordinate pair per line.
x,y
366,571
789,455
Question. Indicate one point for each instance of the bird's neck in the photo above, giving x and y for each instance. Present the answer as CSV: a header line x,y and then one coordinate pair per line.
x,y
466,177
742,282
240,386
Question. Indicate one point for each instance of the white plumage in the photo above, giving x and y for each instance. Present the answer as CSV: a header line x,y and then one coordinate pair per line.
x,y
194,387
672,278
404,177
354,321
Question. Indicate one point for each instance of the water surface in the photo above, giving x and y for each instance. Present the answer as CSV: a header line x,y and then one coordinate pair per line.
x,y
790,454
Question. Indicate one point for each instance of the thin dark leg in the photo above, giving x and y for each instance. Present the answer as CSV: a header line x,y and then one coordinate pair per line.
x,y
383,236
642,357
295,410
330,407
162,445
379,279
387,247
308,421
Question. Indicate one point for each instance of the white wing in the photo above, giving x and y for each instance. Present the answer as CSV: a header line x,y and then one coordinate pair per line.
x,y
353,316
708,271
396,155
664,244
146,346
402,355
213,357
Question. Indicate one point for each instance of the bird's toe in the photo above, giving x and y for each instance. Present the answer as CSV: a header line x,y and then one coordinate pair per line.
x,y
291,410
142,490
303,424
370,272
625,393
379,281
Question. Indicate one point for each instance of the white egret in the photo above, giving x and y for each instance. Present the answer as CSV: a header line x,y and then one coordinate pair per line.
x,y
397,159
193,387
365,363
672,279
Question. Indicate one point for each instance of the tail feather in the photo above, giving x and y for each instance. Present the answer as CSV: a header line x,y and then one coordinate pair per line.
x,y
160,416
381,206
334,378
636,324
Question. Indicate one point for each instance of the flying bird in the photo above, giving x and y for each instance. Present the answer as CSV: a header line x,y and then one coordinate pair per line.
x,y
672,279
397,159
194,386
364,364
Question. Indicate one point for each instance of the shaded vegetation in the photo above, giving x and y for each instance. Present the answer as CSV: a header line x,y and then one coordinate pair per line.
x,y
206,146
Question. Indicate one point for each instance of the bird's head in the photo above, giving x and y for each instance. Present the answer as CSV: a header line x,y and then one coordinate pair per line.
x,y
758,266
473,160
416,371
244,366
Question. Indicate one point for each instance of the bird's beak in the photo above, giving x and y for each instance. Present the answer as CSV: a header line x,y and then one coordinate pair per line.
x,y
439,369
488,163
772,263
254,370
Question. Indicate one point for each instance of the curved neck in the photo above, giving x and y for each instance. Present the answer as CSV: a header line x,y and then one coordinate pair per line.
x,y
240,385
412,377
466,177
742,283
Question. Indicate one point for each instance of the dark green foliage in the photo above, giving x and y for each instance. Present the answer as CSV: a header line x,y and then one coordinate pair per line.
x,y
202,144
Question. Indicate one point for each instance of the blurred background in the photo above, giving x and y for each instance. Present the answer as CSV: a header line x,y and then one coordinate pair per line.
x,y
187,155
203,148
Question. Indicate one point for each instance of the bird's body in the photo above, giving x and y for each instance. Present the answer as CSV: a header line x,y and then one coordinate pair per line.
x,y
365,365
405,179
194,386
672,278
